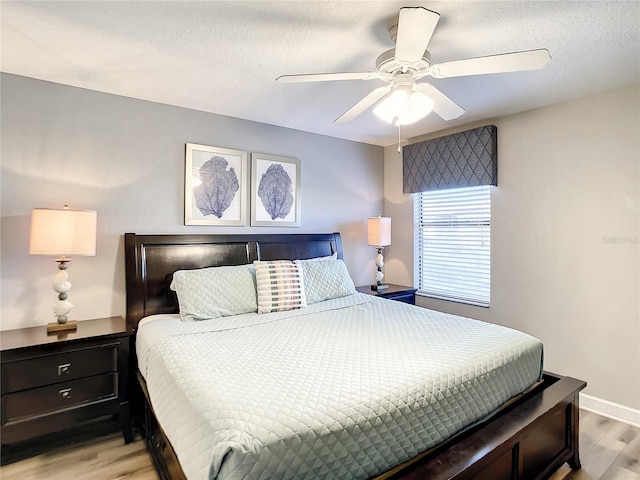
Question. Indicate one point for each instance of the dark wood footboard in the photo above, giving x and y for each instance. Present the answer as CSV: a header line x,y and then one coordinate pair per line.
x,y
528,440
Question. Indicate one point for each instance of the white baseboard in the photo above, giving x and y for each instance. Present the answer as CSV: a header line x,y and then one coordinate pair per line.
x,y
611,410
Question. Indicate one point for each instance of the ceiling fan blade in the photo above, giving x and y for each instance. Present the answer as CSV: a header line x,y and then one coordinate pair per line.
x,y
506,62
415,28
446,108
363,104
327,77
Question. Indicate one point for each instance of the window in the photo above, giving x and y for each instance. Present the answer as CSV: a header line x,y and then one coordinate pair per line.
x,y
453,244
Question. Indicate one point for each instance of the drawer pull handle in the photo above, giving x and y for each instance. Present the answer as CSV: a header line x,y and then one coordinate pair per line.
x,y
65,393
64,369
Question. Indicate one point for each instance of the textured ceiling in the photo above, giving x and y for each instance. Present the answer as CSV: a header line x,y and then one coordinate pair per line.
x,y
224,56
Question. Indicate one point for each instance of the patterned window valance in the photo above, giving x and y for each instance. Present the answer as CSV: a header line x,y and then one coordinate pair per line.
x,y
465,159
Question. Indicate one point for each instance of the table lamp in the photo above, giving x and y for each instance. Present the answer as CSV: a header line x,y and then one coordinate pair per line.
x,y
62,232
379,235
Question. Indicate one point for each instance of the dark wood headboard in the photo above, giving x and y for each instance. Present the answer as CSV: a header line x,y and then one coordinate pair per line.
x,y
151,260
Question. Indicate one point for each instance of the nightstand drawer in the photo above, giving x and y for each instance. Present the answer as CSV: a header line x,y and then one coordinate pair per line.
x,y
61,367
52,398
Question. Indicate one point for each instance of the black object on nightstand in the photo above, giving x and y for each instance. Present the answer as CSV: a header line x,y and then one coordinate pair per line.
x,y
52,383
400,293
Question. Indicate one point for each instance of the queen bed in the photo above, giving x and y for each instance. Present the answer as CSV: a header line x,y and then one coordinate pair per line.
x,y
271,365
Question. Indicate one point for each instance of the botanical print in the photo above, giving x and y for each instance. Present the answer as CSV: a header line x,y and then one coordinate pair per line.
x,y
218,188
275,191
215,191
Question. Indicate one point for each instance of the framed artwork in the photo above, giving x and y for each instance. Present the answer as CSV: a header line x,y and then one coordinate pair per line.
x,y
215,186
275,191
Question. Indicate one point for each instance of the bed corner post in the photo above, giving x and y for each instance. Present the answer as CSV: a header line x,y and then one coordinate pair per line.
x,y
132,265
574,461
338,244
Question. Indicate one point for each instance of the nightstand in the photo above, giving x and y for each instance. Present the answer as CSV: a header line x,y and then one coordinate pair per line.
x,y
400,293
51,383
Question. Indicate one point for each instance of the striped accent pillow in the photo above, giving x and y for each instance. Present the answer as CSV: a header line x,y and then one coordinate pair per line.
x,y
280,286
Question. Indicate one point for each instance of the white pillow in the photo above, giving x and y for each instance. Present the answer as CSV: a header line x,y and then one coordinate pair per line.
x,y
215,292
280,286
326,279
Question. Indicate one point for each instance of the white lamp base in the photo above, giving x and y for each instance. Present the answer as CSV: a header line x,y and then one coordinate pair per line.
x,y
379,275
62,285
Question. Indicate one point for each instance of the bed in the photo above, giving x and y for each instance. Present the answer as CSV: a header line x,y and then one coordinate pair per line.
x,y
517,422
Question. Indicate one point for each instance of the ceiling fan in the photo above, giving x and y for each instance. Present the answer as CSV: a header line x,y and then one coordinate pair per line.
x,y
408,96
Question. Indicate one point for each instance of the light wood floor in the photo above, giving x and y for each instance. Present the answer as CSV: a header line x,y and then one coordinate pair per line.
x,y
609,450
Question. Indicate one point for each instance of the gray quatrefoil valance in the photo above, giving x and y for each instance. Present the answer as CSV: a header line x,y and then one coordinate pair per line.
x,y
465,159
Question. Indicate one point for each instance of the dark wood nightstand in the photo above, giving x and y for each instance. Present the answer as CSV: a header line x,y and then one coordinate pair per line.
x,y
51,382
400,293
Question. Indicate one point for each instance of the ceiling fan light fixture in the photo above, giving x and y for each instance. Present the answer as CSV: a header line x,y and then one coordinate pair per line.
x,y
405,106
420,103
392,104
384,113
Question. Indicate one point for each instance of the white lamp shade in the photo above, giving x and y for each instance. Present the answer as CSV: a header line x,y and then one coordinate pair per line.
x,y
63,232
379,231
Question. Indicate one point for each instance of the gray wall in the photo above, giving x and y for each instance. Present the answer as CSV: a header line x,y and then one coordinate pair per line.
x,y
125,159
565,234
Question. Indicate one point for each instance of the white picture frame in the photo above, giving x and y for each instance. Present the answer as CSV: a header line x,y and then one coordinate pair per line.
x,y
275,191
215,186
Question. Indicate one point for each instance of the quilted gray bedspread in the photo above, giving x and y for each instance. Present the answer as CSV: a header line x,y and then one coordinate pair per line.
x,y
342,389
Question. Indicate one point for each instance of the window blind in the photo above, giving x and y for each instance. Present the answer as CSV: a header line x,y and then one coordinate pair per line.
x,y
453,244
